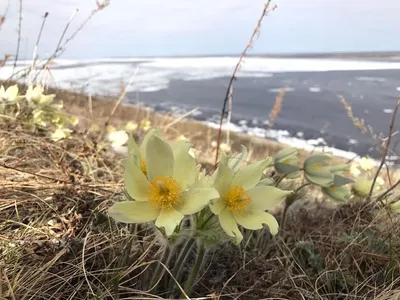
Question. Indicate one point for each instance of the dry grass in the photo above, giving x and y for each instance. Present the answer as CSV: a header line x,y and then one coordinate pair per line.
x,y
56,241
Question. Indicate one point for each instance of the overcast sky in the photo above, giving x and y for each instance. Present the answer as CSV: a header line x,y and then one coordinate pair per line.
x,y
198,27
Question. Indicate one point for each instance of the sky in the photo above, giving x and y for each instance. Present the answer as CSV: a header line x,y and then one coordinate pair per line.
x,y
133,28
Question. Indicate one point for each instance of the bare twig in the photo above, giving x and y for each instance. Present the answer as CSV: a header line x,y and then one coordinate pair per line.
x,y
100,6
19,38
228,96
122,97
389,190
36,46
386,147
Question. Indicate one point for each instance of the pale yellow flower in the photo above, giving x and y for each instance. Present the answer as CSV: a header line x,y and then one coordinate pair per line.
x,y
366,164
9,95
242,200
166,194
354,170
74,121
181,138
145,125
34,93
317,170
380,181
362,187
60,134
225,147
131,126
94,128
110,128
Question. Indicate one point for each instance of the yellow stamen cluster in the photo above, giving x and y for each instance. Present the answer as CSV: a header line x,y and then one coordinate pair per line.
x,y
237,200
164,192
143,166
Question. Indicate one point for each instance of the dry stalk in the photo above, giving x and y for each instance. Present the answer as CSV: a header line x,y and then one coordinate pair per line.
x,y
277,107
19,38
5,59
2,20
228,96
386,147
122,97
35,56
3,17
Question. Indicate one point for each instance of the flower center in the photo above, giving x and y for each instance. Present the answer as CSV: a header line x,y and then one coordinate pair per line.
x,y
143,166
237,200
164,192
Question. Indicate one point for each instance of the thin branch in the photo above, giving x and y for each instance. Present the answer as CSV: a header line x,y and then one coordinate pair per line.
x,y
5,59
37,45
19,38
228,96
121,98
58,47
389,190
386,147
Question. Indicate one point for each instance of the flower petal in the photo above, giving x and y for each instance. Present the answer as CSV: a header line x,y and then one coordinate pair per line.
x,y
229,225
133,149
133,212
267,197
185,164
217,205
12,92
169,219
223,179
143,145
254,219
235,161
196,199
285,153
159,158
136,183
339,194
249,176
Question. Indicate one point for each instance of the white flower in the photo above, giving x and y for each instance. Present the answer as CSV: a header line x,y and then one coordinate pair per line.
x,y
117,138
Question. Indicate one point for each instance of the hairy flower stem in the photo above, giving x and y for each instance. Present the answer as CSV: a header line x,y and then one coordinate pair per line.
x,y
288,204
160,270
196,268
180,262
280,179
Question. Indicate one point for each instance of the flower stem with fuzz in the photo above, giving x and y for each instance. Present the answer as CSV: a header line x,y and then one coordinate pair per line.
x,y
196,268
288,204
160,270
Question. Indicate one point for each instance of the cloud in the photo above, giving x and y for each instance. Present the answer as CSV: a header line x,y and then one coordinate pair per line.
x,y
179,27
